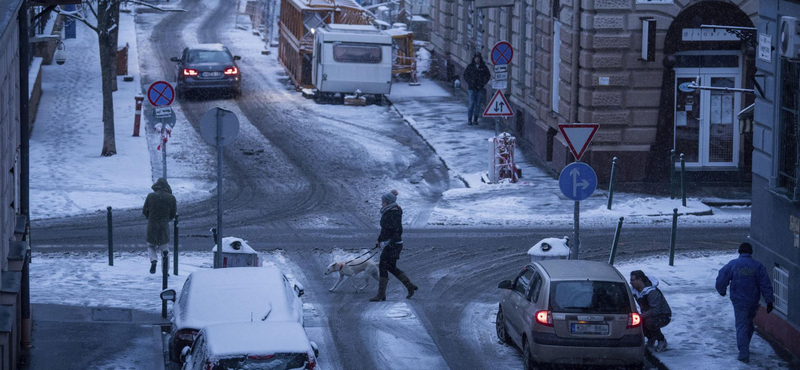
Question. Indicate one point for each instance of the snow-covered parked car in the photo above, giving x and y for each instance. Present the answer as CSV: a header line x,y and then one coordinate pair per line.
x,y
252,346
571,312
228,295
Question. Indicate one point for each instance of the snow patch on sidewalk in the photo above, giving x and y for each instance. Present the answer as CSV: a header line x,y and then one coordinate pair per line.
x,y
68,174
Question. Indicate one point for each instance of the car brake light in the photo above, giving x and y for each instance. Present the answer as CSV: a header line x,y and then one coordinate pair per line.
x,y
186,335
544,318
232,71
189,72
311,364
634,320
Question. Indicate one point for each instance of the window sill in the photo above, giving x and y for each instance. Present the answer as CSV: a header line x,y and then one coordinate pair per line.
x,y
783,195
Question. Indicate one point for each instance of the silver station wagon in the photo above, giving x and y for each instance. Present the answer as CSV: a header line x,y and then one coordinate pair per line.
x,y
571,312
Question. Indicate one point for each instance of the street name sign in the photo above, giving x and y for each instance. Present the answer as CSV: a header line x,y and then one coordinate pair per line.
x,y
160,94
577,181
578,136
498,106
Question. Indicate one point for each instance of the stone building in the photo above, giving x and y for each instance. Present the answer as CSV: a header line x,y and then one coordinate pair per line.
x,y
581,61
775,225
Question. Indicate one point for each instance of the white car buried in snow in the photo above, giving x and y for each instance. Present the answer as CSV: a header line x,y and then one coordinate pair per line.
x,y
252,346
239,294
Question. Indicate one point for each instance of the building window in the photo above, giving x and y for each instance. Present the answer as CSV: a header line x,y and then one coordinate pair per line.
x,y
789,120
780,286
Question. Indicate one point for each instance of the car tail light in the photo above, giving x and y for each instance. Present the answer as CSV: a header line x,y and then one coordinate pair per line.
x,y
186,335
189,72
311,364
634,320
232,71
264,357
544,318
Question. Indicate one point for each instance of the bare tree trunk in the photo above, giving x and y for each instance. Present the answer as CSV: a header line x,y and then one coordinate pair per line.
x,y
115,40
105,19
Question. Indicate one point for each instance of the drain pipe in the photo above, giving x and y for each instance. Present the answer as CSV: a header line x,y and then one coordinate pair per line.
x,y
576,69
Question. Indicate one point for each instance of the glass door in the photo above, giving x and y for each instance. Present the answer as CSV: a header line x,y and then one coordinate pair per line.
x,y
705,120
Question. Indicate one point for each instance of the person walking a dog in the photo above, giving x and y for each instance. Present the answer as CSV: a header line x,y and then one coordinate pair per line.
x,y
391,239
160,208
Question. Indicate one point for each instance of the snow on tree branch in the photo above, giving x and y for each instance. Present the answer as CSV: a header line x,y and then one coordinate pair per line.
x,y
155,6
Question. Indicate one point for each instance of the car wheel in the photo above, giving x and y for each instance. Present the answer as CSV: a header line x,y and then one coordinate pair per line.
x,y
500,326
527,358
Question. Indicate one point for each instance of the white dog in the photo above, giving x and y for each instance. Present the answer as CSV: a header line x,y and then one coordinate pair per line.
x,y
352,268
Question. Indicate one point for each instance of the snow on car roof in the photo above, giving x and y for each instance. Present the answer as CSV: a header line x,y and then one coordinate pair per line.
x,y
581,270
256,338
209,47
233,295
558,247
228,248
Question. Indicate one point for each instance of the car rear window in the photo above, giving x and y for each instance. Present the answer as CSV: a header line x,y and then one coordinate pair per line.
x,y
356,53
279,361
589,297
204,56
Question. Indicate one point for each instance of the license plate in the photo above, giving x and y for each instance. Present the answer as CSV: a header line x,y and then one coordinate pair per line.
x,y
212,74
601,329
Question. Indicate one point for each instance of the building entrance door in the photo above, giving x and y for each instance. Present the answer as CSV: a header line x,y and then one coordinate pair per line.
x,y
705,119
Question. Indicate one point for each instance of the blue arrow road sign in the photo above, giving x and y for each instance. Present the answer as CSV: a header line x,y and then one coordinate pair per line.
x,y
577,181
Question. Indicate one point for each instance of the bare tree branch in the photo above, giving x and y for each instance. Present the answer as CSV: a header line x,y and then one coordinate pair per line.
x,y
137,2
74,15
89,4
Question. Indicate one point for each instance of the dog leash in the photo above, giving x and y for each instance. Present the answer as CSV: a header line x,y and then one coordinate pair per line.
x,y
362,255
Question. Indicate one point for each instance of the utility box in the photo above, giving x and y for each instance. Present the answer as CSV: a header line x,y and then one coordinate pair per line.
x,y
236,253
550,249
122,61
501,159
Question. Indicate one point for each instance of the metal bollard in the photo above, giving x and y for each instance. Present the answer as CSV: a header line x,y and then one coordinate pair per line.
x,y
137,118
672,174
616,242
110,237
164,280
175,248
683,180
674,234
611,182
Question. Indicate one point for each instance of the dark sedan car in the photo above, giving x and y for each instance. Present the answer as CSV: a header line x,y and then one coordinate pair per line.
x,y
207,67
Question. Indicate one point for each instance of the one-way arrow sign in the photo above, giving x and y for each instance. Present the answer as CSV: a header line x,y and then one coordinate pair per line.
x,y
498,106
578,137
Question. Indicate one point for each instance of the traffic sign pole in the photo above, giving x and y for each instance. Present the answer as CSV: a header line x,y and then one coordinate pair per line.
x,y
164,152
576,222
220,139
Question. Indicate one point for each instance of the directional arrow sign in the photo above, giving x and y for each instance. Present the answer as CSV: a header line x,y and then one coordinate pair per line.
x,y
577,181
578,136
498,106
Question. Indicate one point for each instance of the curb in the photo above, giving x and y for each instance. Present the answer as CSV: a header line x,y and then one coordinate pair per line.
x,y
717,202
648,354
408,121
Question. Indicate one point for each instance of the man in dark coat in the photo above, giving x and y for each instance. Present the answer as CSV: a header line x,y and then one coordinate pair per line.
x,y
655,311
160,208
749,281
391,238
477,76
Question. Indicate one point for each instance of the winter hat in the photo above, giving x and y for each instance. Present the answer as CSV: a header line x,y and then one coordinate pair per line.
x,y
746,248
390,197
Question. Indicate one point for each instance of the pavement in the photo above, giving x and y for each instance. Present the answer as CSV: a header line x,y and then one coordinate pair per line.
x,y
73,337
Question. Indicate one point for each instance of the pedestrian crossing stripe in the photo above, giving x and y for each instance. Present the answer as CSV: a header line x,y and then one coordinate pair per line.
x,y
498,106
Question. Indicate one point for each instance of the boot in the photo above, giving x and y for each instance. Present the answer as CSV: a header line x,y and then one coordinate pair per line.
x,y
381,296
153,267
661,346
409,285
470,121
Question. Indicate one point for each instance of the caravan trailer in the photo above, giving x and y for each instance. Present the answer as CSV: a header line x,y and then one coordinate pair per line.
x,y
350,58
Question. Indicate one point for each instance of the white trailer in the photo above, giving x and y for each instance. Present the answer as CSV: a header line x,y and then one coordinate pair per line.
x,y
352,58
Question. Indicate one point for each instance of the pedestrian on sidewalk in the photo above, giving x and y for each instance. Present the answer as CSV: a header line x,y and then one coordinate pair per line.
x,y
477,76
160,208
655,311
748,280
391,239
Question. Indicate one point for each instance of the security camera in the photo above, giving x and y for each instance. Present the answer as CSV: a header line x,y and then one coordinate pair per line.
x,y
61,54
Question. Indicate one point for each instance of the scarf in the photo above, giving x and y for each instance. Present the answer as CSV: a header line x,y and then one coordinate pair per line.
x,y
388,207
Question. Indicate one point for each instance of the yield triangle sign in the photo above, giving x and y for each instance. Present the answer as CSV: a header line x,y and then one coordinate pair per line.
x,y
578,137
498,106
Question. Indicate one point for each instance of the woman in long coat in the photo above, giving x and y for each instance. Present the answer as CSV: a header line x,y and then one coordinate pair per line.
x,y
391,238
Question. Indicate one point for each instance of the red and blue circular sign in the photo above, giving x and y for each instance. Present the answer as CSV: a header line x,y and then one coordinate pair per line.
x,y
502,52
160,94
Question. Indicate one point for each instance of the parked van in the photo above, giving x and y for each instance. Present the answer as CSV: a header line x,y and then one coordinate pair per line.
x,y
237,294
350,58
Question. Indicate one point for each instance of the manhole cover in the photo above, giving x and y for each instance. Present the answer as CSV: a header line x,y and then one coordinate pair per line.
x,y
112,314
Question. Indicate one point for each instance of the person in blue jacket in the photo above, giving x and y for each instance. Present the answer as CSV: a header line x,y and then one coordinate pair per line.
x,y
749,280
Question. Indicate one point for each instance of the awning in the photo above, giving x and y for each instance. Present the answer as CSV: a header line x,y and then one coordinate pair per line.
x,y
746,119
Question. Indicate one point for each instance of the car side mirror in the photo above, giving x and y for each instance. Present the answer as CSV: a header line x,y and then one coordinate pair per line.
x,y
236,57
175,59
298,288
315,347
168,295
185,353
505,284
